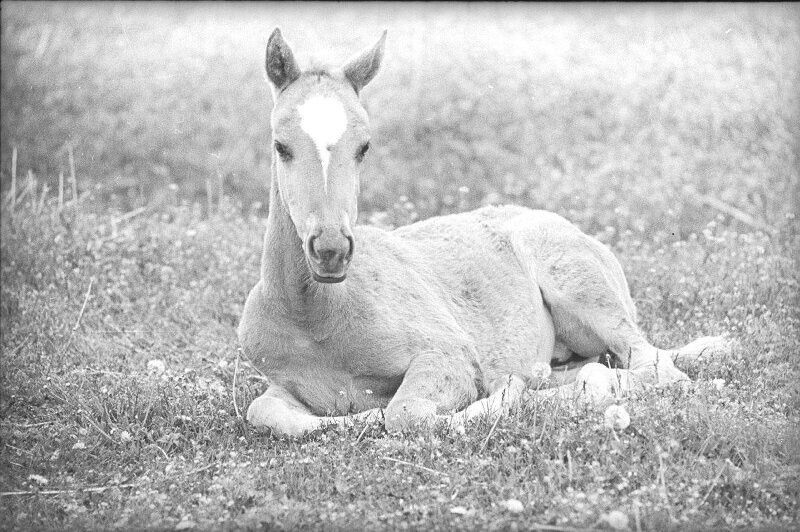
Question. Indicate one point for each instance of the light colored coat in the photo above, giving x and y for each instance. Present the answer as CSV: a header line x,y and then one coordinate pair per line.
x,y
454,313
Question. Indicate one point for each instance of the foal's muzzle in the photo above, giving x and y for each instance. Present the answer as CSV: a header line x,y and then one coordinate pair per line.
x,y
328,253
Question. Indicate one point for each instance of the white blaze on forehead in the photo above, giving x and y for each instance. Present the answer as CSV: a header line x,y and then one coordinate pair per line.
x,y
324,120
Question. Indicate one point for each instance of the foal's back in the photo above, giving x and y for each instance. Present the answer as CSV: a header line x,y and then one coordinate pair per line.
x,y
469,263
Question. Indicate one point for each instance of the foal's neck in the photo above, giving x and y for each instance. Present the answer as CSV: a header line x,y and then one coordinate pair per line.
x,y
284,271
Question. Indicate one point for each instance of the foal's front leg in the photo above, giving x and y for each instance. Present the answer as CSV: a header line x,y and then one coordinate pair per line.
x,y
434,384
508,393
279,411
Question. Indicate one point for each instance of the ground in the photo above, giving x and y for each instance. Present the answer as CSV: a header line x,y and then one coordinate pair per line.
x,y
668,132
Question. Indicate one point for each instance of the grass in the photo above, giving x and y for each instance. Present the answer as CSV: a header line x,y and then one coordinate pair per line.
x,y
118,342
169,287
568,108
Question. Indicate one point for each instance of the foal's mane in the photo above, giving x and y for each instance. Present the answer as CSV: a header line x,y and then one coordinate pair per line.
x,y
319,71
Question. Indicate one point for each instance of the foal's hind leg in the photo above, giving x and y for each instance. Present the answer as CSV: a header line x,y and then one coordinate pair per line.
x,y
585,288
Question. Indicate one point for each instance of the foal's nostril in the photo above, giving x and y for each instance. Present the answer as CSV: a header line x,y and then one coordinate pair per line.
x,y
350,249
312,249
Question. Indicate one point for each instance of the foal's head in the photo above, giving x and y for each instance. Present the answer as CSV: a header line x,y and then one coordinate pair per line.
x,y
320,135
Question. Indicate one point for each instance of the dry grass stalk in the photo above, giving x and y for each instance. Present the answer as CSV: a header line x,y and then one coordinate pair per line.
x,y
27,425
733,212
83,307
128,215
13,193
235,373
361,435
220,189
22,196
42,198
96,426
73,177
44,40
488,437
60,191
32,190
154,446
209,201
201,469
713,483
428,469
62,492
80,315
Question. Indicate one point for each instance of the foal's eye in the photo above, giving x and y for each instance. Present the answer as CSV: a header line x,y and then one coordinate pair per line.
x,y
284,152
362,151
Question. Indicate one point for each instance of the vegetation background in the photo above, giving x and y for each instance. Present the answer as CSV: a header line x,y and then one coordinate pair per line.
x,y
668,131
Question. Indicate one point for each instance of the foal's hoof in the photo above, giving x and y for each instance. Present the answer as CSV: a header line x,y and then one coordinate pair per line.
x,y
410,414
703,351
661,370
266,415
665,372
598,384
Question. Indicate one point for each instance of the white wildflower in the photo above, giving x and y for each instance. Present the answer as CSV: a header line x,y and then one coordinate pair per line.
x,y
616,417
513,505
616,520
39,479
186,524
156,367
541,371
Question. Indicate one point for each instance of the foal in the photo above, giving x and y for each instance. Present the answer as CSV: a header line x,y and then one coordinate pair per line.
x,y
458,313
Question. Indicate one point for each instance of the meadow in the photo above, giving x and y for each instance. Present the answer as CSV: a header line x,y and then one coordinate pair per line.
x,y
670,132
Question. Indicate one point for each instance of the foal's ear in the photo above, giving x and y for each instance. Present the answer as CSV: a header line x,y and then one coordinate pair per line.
x,y
362,68
281,67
